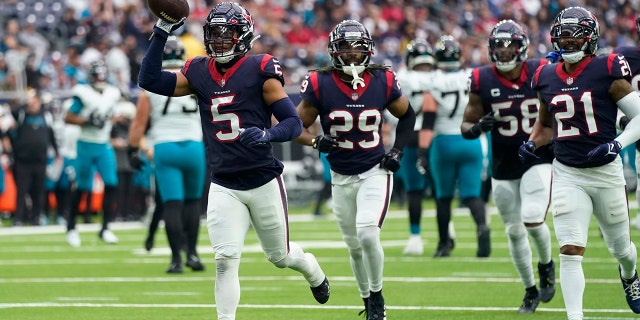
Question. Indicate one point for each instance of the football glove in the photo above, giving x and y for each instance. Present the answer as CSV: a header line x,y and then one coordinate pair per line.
x,y
95,120
254,136
422,163
324,143
554,56
607,151
525,152
391,160
487,122
168,27
134,157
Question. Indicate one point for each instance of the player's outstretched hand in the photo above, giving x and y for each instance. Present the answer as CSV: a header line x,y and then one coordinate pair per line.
x,y
324,143
525,152
607,150
391,160
169,27
253,136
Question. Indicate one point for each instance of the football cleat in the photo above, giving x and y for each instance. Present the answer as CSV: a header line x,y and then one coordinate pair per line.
x,y
148,243
444,249
194,263
107,236
484,242
175,267
547,273
530,301
414,246
321,292
73,238
632,291
376,309
366,308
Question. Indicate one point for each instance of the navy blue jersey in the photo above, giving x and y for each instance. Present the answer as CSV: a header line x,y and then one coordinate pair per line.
x,y
583,112
227,103
354,116
632,54
515,106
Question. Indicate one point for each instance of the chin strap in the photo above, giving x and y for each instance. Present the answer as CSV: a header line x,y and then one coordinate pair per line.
x,y
356,79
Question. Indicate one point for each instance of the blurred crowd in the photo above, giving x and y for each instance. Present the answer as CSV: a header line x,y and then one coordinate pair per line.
x,y
46,44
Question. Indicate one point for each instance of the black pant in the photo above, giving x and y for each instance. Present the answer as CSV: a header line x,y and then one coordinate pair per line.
x,y
30,184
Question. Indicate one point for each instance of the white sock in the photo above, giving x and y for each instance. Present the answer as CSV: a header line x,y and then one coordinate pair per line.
x,y
628,262
572,283
305,263
520,251
373,255
541,238
227,288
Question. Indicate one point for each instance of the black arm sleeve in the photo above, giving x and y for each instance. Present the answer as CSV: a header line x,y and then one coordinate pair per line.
x,y
404,130
428,120
472,133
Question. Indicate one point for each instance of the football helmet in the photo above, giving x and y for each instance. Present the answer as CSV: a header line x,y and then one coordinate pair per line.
x,y
98,74
228,24
419,51
173,54
350,36
575,22
448,53
508,45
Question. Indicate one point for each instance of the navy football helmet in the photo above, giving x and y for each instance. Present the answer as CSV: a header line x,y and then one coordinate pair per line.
x,y
419,51
228,23
350,36
575,22
448,53
173,54
508,45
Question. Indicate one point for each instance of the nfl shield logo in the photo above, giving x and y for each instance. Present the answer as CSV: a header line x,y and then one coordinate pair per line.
x,y
354,96
222,82
570,81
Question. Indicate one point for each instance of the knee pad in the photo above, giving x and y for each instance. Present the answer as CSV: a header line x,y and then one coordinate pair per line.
x,y
515,231
503,198
369,237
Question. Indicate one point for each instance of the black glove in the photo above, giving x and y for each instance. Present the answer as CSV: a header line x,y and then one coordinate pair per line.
x,y
624,121
487,122
423,163
253,136
391,160
134,157
324,143
525,152
607,150
95,120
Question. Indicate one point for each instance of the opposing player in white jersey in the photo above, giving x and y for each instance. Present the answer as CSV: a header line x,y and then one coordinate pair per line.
x,y
502,102
453,159
92,108
419,60
179,160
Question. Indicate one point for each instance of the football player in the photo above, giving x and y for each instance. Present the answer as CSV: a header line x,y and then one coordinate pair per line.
x,y
174,131
414,169
502,102
350,97
579,102
453,159
237,96
92,107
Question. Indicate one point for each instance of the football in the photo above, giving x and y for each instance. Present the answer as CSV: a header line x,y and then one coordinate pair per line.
x,y
169,10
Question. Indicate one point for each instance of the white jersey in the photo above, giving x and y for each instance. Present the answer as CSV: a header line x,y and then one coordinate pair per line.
x,y
100,104
174,119
413,85
451,92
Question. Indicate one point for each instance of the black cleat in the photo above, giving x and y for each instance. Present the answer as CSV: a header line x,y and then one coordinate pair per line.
x,y
484,242
194,263
444,249
321,292
632,291
376,309
547,273
366,308
530,301
175,267
148,244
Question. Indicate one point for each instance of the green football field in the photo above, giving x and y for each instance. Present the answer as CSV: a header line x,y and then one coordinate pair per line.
x,y
41,277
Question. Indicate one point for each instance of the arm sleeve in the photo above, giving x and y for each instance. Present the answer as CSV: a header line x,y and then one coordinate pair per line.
x,y
289,124
151,76
404,129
